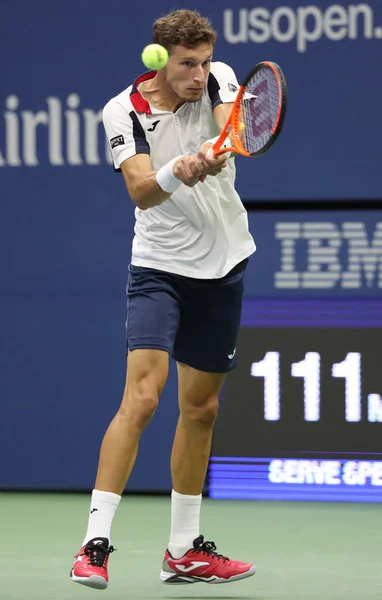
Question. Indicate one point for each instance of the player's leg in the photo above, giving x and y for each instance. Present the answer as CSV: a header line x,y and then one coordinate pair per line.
x,y
146,376
199,405
205,347
152,321
147,372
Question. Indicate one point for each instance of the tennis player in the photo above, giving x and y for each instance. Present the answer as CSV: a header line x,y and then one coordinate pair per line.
x,y
184,290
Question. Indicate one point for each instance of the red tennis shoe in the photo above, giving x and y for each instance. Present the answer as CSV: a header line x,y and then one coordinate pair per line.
x,y
90,565
203,563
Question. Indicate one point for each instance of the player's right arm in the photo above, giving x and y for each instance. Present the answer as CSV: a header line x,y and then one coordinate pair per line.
x,y
142,182
131,155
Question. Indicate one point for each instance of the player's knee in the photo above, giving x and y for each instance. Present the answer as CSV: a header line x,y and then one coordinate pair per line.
x,y
202,412
139,405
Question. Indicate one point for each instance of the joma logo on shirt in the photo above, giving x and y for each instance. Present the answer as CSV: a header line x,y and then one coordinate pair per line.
x,y
153,126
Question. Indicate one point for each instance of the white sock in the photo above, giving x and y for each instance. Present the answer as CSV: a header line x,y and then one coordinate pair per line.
x,y
103,506
185,523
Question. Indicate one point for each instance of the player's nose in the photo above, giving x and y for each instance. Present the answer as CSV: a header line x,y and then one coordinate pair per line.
x,y
199,75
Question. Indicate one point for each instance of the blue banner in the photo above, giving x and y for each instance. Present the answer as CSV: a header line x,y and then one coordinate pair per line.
x,y
66,221
68,62
62,314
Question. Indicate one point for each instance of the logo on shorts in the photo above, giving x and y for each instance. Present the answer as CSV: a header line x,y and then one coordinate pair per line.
x,y
230,356
118,140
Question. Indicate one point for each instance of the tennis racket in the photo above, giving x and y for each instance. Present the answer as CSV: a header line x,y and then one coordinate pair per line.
x,y
258,114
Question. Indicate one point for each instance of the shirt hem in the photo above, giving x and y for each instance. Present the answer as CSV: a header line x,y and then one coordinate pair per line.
x,y
195,272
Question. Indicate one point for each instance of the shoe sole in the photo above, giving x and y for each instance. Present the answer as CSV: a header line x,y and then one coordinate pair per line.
x,y
94,581
175,579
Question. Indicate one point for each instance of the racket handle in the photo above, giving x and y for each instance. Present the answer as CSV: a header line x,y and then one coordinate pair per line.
x,y
210,154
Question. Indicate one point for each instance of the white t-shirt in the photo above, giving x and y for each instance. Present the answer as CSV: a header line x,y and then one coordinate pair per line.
x,y
199,232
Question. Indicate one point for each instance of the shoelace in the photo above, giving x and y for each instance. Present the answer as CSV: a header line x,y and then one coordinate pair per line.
x,y
98,554
207,548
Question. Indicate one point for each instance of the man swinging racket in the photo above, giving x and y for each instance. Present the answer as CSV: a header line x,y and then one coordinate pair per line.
x,y
185,282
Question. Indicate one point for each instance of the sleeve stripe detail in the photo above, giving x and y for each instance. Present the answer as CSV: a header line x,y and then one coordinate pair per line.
x,y
213,91
141,145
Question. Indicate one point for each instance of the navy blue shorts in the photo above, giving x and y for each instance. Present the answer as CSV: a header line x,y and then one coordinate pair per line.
x,y
195,320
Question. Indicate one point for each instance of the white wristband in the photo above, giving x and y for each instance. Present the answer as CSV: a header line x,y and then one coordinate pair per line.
x,y
165,176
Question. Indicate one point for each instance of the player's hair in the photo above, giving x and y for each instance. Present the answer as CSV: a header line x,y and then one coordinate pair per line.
x,y
183,27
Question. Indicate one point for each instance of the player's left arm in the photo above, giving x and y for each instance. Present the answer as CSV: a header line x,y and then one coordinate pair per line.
x,y
222,88
221,113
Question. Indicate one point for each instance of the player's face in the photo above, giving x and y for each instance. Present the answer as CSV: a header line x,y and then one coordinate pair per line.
x,y
187,71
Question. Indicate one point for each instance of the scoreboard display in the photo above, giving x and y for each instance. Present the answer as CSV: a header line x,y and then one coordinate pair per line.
x,y
301,416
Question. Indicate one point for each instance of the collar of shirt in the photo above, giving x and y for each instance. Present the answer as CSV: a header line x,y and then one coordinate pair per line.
x,y
141,105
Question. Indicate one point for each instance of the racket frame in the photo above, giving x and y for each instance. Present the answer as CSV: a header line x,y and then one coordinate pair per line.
x,y
232,126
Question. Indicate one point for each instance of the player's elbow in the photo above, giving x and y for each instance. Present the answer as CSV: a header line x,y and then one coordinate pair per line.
x,y
138,196
143,202
144,198
138,203
145,193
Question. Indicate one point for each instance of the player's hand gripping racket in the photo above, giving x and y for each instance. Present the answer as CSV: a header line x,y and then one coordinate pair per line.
x,y
256,119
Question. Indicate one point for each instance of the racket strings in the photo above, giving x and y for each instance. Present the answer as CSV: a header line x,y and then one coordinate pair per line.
x,y
260,115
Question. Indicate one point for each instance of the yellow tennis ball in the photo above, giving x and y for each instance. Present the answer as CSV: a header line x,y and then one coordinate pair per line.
x,y
154,57
241,127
